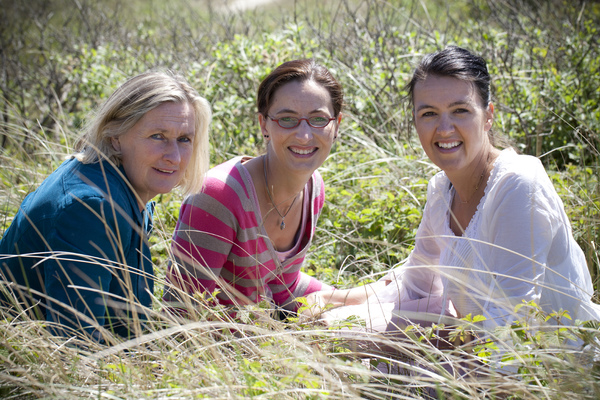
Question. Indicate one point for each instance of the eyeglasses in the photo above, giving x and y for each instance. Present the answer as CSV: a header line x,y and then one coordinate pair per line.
x,y
292,122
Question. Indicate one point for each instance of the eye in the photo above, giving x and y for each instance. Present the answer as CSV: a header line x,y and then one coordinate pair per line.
x,y
461,111
428,114
157,136
288,119
184,139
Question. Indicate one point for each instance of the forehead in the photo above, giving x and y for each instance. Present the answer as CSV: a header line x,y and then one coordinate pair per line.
x,y
169,113
301,95
435,89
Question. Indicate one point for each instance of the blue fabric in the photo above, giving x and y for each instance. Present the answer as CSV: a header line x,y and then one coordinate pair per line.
x,y
90,237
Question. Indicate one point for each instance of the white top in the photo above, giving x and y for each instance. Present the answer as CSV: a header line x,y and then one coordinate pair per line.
x,y
518,246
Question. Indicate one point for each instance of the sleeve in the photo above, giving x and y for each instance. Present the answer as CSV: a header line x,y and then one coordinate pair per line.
x,y
302,287
203,238
520,222
89,242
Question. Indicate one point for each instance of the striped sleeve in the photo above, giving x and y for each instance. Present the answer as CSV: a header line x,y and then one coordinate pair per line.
x,y
205,232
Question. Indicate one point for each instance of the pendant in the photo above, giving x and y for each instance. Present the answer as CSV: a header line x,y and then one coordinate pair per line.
x,y
282,226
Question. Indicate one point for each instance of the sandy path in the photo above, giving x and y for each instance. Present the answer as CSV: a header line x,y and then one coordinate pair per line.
x,y
241,5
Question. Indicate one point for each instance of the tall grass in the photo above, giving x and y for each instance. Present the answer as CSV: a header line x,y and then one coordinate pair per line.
x,y
60,58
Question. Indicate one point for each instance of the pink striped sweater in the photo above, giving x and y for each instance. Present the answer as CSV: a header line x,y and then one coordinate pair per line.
x,y
219,242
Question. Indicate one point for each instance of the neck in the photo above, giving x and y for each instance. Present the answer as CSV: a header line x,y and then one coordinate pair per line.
x,y
470,182
283,184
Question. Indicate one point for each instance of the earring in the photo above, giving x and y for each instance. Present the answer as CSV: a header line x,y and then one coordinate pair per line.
x,y
266,136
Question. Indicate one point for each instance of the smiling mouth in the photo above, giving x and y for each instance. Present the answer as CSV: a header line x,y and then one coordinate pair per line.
x,y
449,145
164,171
303,151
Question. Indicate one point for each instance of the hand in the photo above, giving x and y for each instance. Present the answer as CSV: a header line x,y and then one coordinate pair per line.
x,y
317,303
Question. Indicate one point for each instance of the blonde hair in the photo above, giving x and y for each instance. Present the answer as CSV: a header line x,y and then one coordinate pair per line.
x,y
129,103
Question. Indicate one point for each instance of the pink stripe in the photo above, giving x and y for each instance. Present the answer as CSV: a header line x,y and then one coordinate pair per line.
x,y
197,219
200,255
189,283
313,286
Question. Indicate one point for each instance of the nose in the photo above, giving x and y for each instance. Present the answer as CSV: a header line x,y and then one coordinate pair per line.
x,y
445,125
172,153
304,132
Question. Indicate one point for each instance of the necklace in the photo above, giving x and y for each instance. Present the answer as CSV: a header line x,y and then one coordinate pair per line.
x,y
474,191
282,216
476,186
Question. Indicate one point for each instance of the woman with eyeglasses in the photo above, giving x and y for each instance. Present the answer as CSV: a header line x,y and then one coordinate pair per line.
x,y
243,238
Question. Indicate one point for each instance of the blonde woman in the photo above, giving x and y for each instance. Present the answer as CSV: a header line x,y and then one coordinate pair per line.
x,y
77,250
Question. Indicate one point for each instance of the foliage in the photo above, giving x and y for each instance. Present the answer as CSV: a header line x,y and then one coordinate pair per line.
x,y
60,58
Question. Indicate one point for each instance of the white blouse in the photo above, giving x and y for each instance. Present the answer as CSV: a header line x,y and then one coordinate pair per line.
x,y
518,246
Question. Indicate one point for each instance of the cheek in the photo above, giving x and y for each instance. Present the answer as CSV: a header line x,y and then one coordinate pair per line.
x,y
186,153
422,133
420,126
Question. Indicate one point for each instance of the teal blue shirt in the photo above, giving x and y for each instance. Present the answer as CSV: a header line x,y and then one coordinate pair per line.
x,y
78,249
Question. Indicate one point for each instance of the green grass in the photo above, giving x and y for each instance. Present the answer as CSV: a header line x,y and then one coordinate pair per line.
x,y
60,61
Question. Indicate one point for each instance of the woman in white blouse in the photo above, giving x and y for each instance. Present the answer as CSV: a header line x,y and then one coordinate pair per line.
x,y
494,231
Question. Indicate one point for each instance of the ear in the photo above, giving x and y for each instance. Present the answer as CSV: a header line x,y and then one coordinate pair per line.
x,y
262,121
489,119
115,143
337,126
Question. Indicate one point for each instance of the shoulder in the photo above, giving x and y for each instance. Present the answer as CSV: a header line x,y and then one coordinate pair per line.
x,y
226,183
98,192
72,182
520,182
438,185
100,182
519,171
318,182
509,162
219,176
77,201
318,189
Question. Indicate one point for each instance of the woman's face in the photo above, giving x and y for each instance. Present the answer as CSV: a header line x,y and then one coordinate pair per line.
x,y
303,148
156,150
451,122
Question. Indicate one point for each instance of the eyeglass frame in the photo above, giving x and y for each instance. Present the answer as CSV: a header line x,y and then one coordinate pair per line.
x,y
300,121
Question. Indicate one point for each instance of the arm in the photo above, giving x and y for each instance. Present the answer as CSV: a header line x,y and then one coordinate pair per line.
x,y
326,299
89,242
520,222
202,241
411,282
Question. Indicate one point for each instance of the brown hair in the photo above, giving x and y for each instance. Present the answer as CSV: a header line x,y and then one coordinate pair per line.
x,y
299,70
459,63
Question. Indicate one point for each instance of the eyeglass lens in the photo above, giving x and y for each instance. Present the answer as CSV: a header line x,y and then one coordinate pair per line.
x,y
292,122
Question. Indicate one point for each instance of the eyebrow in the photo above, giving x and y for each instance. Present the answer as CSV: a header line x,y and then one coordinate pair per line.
x,y
163,131
290,111
453,104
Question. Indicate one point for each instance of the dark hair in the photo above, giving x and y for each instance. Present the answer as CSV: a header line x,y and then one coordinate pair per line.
x,y
299,70
459,63
454,62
